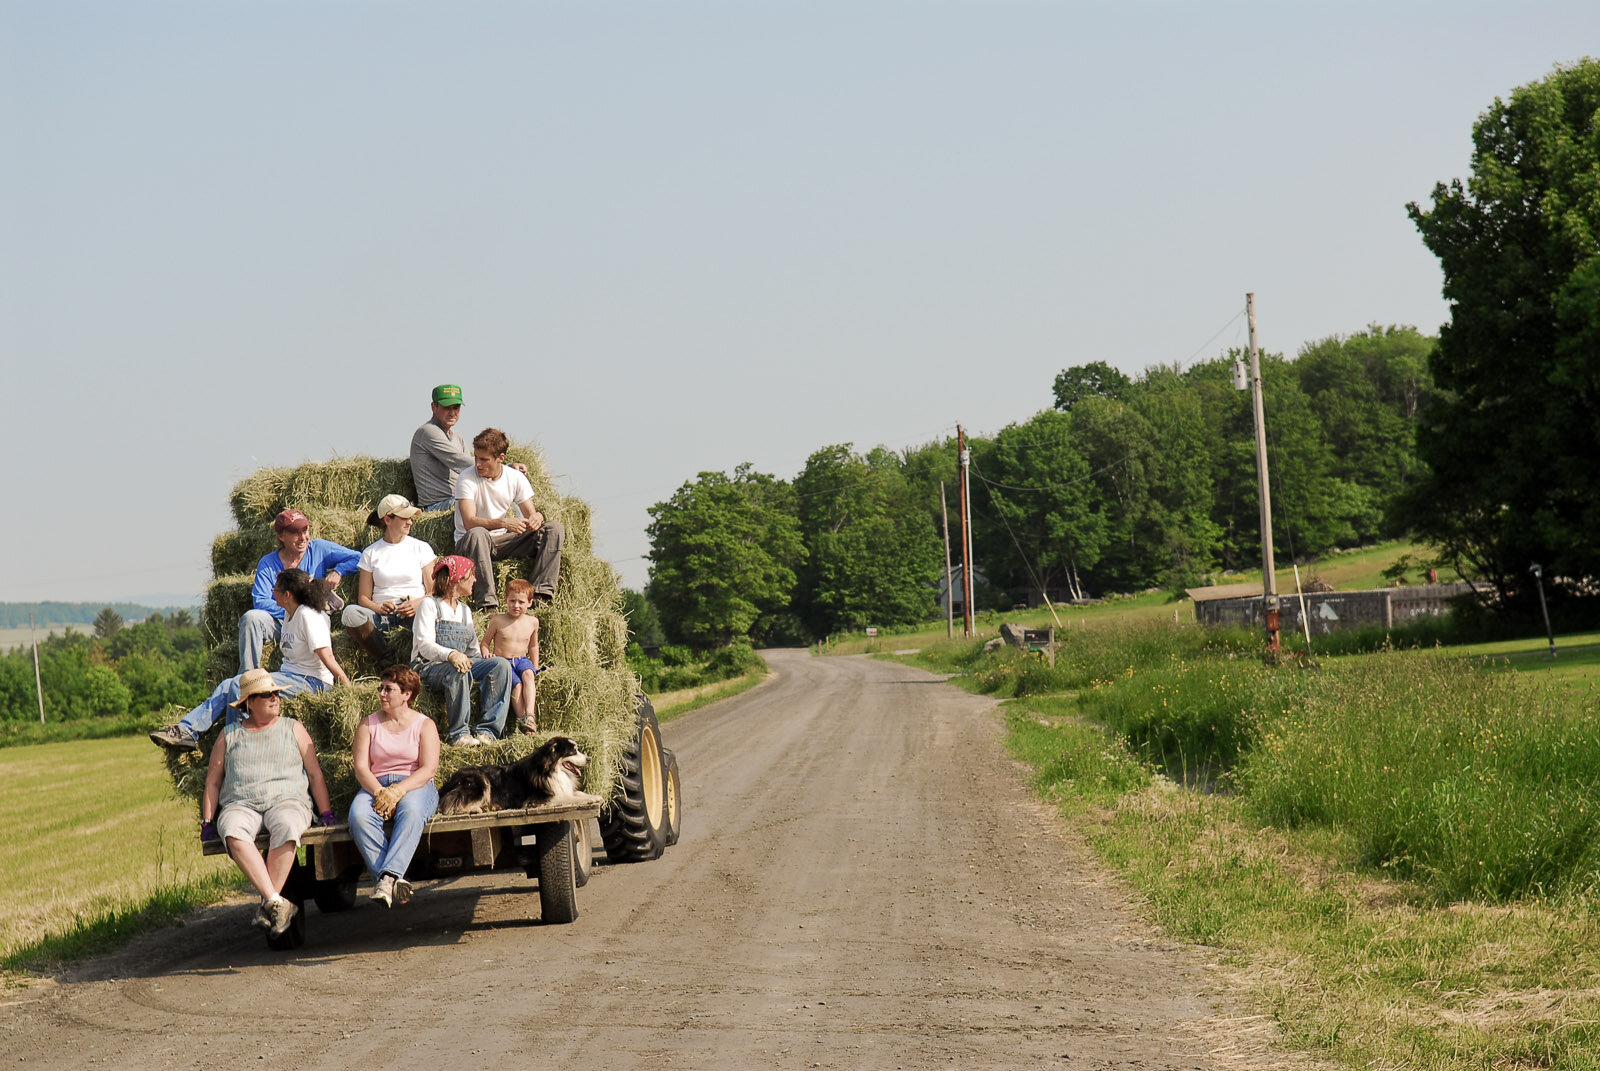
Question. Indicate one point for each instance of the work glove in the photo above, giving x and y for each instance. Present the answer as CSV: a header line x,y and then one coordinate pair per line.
x,y
386,799
208,830
461,662
326,818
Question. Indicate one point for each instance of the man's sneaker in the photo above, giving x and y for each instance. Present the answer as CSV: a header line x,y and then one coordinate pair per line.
x,y
263,919
283,912
383,892
465,741
487,738
402,891
176,737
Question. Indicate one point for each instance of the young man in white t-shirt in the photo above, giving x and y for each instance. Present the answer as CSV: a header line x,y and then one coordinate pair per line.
x,y
496,519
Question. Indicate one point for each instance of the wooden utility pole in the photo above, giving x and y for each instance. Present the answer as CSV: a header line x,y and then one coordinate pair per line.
x,y
38,687
966,535
1269,579
949,582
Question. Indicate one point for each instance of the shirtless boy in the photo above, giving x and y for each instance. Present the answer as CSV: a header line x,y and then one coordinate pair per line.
x,y
514,635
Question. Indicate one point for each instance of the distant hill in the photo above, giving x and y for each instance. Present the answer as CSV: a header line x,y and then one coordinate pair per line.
x,y
45,614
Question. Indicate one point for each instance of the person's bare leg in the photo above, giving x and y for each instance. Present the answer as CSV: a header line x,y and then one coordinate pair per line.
x,y
255,868
526,697
280,861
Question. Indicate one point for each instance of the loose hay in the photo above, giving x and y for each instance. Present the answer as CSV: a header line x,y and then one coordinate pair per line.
x,y
588,693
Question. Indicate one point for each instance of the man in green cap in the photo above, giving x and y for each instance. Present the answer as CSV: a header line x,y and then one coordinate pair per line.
x,y
438,451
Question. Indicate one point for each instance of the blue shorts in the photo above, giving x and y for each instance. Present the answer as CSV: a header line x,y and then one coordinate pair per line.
x,y
519,666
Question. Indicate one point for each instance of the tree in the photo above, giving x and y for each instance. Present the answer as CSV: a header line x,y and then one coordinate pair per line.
x,y
107,623
872,557
643,621
723,553
1093,380
1040,488
1512,439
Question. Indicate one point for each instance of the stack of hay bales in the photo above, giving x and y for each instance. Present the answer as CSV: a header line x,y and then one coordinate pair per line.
x,y
587,693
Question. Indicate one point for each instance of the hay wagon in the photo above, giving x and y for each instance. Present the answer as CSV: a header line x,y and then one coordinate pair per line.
x,y
588,693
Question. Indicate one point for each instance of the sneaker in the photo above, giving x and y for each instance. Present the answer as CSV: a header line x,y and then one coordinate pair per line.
x,y
402,891
465,741
384,890
263,919
488,738
176,737
283,912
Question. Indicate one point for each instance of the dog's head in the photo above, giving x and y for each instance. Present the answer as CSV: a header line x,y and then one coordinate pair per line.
x,y
559,753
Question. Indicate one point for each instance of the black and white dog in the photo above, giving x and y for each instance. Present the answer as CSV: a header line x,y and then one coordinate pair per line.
x,y
552,772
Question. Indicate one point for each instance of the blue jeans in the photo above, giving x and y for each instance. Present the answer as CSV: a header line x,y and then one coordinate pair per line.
x,y
494,694
392,854
256,627
206,714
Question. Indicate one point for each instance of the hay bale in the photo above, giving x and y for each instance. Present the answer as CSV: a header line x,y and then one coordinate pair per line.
x,y
227,599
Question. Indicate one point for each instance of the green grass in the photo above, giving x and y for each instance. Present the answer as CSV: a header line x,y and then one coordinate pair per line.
x,y
669,705
95,847
1404,868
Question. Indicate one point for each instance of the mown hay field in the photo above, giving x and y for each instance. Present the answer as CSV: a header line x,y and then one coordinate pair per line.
x,y
88,828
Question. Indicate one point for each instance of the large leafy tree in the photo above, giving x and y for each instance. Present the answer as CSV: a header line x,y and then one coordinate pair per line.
x,y
723,553
1513,438
873,557
1039,489
1369,391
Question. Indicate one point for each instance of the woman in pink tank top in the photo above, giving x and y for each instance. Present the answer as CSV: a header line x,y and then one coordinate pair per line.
x,y
396,754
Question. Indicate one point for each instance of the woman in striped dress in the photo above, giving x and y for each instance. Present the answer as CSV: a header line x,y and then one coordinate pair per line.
x,y
263,774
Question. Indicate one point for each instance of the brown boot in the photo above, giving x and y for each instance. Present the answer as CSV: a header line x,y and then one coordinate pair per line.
x,y
376,645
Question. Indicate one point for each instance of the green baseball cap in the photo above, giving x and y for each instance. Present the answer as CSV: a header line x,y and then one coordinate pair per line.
x,y
447,394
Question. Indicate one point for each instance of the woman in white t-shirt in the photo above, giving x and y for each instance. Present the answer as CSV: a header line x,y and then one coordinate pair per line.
x,y
308,661
392,580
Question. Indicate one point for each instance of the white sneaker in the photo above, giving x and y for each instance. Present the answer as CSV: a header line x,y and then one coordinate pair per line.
x,y
465,741
488,738
384,890
402,891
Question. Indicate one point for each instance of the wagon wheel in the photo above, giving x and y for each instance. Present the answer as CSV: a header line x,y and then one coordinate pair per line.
x,y
558,891
582,852
337,894
633,823
672,785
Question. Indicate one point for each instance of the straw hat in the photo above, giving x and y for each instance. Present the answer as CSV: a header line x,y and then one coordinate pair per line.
x,y
255,682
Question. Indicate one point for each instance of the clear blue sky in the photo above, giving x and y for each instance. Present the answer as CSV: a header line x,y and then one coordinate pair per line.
x,y
663,238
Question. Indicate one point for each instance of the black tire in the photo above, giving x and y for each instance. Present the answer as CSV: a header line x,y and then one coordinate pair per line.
x,y
582,853
558,890
672,813
293,937
632,824
337,894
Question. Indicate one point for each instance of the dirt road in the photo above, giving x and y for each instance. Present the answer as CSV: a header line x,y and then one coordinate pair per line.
x,y
863,882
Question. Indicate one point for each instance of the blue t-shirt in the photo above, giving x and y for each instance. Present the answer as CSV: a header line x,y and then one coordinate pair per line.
x,y
321,558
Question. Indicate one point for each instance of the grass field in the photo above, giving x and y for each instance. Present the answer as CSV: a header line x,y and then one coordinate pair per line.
x,y
91,837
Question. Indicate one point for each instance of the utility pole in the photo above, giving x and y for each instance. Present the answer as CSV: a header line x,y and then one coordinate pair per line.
x,y
966,535
1269,579
37,686
949,582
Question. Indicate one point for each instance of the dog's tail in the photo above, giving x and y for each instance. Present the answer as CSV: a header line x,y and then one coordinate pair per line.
x,y
467,792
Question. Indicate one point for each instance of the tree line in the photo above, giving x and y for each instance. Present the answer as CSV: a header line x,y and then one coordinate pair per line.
x,y
121,670
1124,483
